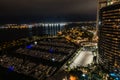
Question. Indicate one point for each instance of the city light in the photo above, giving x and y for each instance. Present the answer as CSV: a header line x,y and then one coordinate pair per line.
x,y
83,75
35,42
68,49
53,59
46,24
62,24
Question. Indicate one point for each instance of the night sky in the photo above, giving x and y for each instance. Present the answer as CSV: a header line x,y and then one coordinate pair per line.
x,y
13,11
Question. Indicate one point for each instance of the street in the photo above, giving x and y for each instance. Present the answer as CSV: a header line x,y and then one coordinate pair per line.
x,y
82,59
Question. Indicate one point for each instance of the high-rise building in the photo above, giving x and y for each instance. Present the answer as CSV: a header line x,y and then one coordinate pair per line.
x,y
104,3
109,33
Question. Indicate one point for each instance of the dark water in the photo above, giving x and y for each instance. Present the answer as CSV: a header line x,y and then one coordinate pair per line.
x,y
13,34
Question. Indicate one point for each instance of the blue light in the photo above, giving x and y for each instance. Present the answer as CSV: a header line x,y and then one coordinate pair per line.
x,y
10,69
113,74
29,46
51,50
116,78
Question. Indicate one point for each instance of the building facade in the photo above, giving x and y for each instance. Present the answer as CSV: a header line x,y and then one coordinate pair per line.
x,y
104,3
109,34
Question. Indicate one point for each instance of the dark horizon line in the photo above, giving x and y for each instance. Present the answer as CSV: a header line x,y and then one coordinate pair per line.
x,y
36,19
